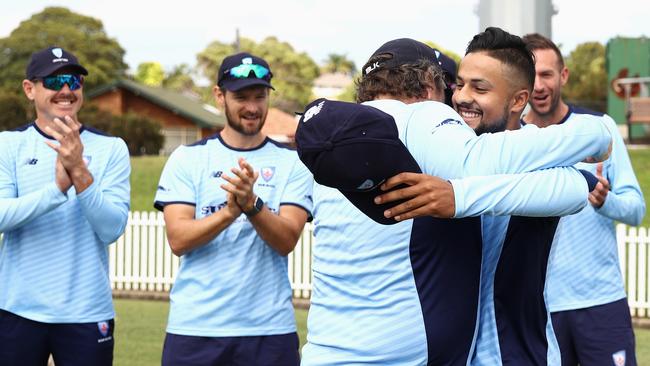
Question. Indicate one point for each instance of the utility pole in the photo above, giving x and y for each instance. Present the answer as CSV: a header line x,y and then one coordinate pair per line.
x,y
237,40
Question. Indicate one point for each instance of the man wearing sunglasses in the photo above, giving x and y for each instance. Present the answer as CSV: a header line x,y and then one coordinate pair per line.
x,y
64,197
235,205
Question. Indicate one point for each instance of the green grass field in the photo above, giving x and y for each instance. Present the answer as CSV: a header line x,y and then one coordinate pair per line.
x,y
145,173
140,331
641,163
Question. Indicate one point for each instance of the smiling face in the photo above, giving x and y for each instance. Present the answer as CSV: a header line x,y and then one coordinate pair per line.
x,y
52,103
245,109
550,77
483,93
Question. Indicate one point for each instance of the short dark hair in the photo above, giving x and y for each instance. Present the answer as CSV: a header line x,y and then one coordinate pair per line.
x,y
406,80
507,48
536,41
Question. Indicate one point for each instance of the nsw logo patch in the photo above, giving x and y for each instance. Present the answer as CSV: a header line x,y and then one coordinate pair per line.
x,y
267,173
103,328
311,112
619,358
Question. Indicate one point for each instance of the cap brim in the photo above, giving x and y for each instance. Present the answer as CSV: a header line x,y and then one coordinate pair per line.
x,y
239,84
54,68
365,200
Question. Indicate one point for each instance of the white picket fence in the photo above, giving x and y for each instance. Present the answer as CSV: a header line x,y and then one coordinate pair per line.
x,y
142,261
633,256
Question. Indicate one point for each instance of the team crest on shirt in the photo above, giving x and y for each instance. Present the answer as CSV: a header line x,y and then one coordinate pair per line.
x,y
619,358
103,328
267,173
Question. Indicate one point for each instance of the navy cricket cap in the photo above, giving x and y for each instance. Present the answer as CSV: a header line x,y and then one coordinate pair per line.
x,y
448,66
403,51
353,148
449,69
47,61
242,70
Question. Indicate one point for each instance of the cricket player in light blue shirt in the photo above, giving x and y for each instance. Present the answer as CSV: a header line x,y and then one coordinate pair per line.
x,y
585,289
64,197
235,205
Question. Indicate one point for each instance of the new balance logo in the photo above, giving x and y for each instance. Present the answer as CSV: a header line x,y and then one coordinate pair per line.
x,y
217,174
32,161
449,121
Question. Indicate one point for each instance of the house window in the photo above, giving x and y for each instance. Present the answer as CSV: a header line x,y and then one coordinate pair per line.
x,y
176,136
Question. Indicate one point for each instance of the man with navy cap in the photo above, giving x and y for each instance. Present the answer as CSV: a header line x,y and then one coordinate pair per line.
x,y
64,197
235,205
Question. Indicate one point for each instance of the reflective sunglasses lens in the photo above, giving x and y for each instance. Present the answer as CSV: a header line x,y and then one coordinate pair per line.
x,y
242,71
57,82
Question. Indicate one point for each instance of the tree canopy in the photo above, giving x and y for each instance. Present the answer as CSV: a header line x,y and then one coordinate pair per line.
x,y
339,63
293,72
587,74
82,35
150,73
179,79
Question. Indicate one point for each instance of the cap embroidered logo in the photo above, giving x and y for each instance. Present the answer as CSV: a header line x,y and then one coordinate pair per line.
x,y
57,52
311,112
368,184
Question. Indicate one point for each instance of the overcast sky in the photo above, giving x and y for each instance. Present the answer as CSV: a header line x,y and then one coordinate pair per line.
x,y
173,32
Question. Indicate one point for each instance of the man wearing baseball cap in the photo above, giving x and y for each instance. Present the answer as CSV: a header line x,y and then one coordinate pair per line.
x,y
64,197
408,293
235,205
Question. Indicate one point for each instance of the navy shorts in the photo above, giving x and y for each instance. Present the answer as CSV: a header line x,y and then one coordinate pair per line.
x,y
25,342
599,335
272,350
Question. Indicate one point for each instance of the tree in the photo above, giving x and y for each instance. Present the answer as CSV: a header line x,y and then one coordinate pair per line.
x,y
339,63
349,94
82,35
150,73
143,136
13,110
180,79
293,72
587,75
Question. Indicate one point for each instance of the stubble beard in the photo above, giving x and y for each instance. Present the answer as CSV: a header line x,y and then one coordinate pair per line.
x,y
239,127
